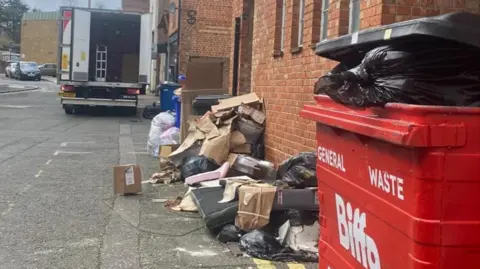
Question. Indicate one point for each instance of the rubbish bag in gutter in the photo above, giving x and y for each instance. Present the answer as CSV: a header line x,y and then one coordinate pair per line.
x,y
262,245
230,233
424,73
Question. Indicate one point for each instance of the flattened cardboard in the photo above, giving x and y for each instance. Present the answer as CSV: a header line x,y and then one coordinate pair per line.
x,y
254,206
242,149
237,139
127,179
229,103
218,148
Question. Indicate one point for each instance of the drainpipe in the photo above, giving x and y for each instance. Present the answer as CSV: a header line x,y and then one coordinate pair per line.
x,y
178,36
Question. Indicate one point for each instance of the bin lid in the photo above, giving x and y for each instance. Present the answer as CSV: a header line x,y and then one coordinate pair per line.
x,y
462,27
212,97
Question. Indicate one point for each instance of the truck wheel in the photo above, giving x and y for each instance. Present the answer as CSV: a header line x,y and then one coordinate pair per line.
x,y
68,110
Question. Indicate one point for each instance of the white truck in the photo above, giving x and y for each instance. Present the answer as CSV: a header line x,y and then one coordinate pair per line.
x,y
103,58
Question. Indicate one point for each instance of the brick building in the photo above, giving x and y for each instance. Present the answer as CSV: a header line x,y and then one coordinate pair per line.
x,y
136,5
284,64
204,33
39,35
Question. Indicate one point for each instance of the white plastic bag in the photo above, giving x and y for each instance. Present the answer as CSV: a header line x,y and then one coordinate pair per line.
x,y
161,123
170,137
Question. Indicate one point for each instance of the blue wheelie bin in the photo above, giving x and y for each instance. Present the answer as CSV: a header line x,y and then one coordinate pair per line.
x,y
177,108
166,90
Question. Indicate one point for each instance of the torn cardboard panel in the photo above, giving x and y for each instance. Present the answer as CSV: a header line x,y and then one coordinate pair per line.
x,y
254,206
207,127
218,147
127,179
237,139
229,103
242,149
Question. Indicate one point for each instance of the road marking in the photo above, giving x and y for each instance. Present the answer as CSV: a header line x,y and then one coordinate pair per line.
x,y
80,244
263,264
10,207
70,152
25,189
48,162
140,153
64,144
39,173
295,266
12,106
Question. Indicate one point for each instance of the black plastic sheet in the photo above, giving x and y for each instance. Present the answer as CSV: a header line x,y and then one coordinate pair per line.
x,y
440,73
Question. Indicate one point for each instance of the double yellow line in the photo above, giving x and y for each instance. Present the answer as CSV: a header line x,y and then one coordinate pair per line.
x,y
263,264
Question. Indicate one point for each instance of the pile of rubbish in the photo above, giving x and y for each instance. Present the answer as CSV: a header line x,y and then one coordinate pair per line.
x,y
244,200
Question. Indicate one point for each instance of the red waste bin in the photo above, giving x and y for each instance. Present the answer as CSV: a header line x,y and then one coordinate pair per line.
x,y
399,186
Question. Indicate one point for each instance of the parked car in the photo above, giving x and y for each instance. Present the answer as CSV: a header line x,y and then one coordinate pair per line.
x,y
26,70
9,69
48,70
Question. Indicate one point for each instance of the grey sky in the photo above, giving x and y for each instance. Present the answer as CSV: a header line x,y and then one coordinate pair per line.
x,y
51,5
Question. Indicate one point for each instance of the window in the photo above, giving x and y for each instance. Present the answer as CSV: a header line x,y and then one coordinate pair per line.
x,y
284,16
301,20
354,18
324,23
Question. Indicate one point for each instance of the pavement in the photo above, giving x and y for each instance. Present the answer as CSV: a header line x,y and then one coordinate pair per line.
x,y
57,208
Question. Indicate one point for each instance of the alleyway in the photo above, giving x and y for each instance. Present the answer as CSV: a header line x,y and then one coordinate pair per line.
x,y
57,209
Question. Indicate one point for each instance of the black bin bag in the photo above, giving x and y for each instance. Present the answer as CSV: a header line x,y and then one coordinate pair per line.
x,y
425,61
429,72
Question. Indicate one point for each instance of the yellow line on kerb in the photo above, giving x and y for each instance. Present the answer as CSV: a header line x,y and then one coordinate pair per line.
x,y
263,264
295,266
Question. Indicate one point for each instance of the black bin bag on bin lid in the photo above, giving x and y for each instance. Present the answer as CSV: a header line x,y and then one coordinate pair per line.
x,y
429,72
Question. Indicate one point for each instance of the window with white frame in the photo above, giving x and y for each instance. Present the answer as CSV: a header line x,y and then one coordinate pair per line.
x,y
354,18
282,33
324,23
301,22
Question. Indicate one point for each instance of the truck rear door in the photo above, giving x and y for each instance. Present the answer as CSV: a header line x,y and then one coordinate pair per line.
x,y
65,39
81,44
145,50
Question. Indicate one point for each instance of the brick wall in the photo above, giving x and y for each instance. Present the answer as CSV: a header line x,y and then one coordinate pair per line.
x,y
211,35
39,41
136,5
285,79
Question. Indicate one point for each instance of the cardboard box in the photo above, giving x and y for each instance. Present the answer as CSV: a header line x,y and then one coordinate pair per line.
x,y
251,113
250,129
127,179
254,206
247,165
165,150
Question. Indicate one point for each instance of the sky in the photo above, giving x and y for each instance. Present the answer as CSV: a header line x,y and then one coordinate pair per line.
x,y
52,5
